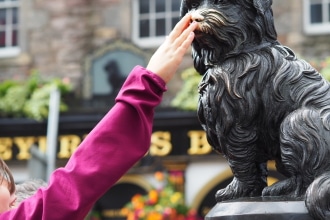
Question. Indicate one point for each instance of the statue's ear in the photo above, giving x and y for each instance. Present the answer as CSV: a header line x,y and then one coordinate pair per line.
x,y
262,5
183,8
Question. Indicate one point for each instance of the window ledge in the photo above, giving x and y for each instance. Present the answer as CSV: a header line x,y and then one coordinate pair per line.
x,y
149,42
9,52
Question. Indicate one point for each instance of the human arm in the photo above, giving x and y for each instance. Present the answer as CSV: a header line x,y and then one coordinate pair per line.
x,y
120,139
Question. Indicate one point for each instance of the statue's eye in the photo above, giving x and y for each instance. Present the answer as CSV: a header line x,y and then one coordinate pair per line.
x,y
194,4
219,1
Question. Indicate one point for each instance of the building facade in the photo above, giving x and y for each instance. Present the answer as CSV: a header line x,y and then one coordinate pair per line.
x,y
83,40
57,37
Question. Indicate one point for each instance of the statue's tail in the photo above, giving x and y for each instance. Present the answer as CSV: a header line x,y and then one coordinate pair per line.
x,y
318,197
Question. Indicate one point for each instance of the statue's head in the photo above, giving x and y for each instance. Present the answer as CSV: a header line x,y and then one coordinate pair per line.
x,y
228,27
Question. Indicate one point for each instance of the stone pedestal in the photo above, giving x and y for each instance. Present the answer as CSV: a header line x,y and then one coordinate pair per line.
x,y
259,209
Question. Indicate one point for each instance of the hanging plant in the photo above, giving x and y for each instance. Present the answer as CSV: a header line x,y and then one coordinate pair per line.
x,y
187,97
30,99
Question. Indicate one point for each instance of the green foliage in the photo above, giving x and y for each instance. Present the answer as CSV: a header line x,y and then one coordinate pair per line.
x,y
13,101
30,98
187,97
325,68
5,86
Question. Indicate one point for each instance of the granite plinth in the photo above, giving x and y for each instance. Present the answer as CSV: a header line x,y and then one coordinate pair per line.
x,y
264,208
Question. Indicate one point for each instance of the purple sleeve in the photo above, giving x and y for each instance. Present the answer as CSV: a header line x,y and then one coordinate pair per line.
x,y
116,143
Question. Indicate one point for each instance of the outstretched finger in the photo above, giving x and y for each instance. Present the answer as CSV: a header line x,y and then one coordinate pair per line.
x,y
185,34
180,27
186,44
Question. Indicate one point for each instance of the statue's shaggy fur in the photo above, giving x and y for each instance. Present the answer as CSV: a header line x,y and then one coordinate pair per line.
x,y
259,102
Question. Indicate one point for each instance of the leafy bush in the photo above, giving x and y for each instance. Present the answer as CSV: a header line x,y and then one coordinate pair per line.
x,y
187,97
30,98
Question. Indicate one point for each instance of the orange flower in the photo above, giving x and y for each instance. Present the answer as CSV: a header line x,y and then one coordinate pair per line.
x,y
130,216
124,211
159,176
154,216
136,197
153,197
163,203
137,202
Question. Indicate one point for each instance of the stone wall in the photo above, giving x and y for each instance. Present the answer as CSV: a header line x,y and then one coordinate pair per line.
x,y
57,36
289,23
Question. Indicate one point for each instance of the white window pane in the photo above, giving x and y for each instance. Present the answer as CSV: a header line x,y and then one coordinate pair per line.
x,y
15,15
176,5
144,6
316,16
15,38
2,39
3,16
9,28
160,27
144,28
160,6
316,13
154,19
174,21
329,12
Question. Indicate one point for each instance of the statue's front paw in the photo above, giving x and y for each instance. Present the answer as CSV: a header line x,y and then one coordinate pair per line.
x,y
237,189
225,194
291,187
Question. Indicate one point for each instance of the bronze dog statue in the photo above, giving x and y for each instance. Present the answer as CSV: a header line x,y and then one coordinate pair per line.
x,y
259,102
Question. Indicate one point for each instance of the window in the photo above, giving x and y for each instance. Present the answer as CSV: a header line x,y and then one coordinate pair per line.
x,y
317,16
9,23
153,20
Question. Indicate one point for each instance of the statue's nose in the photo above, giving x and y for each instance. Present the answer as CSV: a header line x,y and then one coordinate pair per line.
x,y
195,16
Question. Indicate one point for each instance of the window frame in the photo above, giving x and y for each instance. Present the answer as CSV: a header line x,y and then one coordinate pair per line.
x,y
151,41
10,50
319,28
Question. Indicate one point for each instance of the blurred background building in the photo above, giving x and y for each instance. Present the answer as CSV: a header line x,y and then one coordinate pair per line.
x,y
94,45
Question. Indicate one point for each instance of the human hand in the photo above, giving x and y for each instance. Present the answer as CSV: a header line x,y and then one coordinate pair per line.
x,y
166,60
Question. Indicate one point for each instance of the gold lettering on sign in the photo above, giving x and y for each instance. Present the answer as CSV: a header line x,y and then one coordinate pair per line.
x,y
112,213
42,143
198,143
160,143
24,144
5,148
68,144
